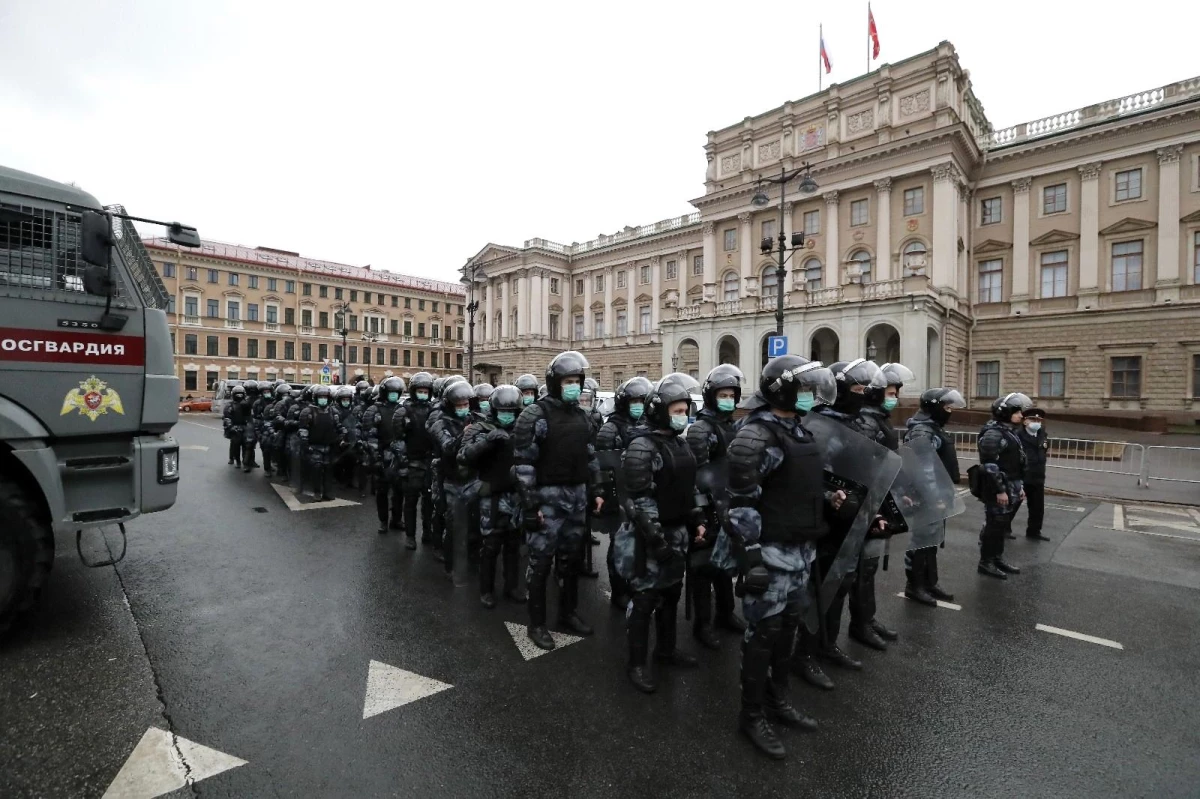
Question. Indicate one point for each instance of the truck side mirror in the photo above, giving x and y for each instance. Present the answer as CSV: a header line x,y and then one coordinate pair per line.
x,y
183,235
96,238
97,281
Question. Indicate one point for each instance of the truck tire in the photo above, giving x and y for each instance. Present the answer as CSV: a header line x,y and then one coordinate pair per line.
x,y
26,553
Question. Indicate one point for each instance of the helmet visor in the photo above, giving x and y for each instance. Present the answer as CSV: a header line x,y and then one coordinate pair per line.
x,y
897,374
819,380
1019,401
953,399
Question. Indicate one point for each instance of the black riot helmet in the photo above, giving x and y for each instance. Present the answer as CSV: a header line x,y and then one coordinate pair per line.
x,y
483,393
238,393
786,378
542,391
455,393
895,375
635,389
938,402
438,384
452,379
251,387
421,381
361,388
392,385
526,382
591,384
724,376
322,393
859,372
344,396
504,399
564,365
675,387
1004,407
282,390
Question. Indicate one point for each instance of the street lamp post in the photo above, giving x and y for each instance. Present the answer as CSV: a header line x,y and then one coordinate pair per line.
x,y
783,252
369,338
344,310
472,277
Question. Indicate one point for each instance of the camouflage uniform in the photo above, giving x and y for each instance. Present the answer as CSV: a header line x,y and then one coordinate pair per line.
x,y
262,426
487,450
319,431
235,419
447,433
388,455
410,423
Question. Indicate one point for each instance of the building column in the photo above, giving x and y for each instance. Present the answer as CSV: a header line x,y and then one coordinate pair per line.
x,y
883,230
522,284
546,304
1089,235
945,226
746,249
536,302
1167,280
833,260
655,290
589,328
631,284
797,258
610,277
1019,299
490,322
710,262
914,349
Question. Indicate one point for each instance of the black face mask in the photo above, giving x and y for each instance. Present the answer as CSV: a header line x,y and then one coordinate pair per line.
x,y
939,414
850,402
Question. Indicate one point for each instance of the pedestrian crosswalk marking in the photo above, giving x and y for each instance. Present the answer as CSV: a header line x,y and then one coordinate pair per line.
x,y
288,495
1078,636
528,649
940,603
162,763
389,688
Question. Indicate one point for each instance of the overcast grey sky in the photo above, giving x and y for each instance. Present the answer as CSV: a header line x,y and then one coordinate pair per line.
x,y
408,135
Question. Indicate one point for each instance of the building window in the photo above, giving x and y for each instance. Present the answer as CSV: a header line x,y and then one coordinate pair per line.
x,y
769,283
272,284
212,275
189,381
434,330
1054,199
353,354
553,327
323,292
644,275
812,223
272,350
1052,377
214,309
731,239
1196,376
211,379
599,284
1129,185
337,352
1054,274
305,351
990,211
768,229
697,265
435,307
598,324
1196,258
987,379
192,273
191,306
289,316
233,278
991,281
171,304
578,287
395,327
459,331
458,361
337,294
168,269
289,286
916,258
354,322
211,346
644,319
408,303
914,201
306,289
622,322
621,279
252,311
233,310
673,266
420,330
323,319
420,357
393,357
253,281
859,213
322,352
730,286
272,314
289,350
420,305
553,286
251,348
861,260
1127,266
578,327
814,275
379,356
189,344
395,301
1127,377
433,360
408,327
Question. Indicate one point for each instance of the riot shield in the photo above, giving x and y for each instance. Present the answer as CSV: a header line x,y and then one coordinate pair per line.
x,y
865,471
712,485
924,494
612,488
459,498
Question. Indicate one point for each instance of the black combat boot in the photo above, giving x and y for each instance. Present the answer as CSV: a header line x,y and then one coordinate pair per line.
x,y
865,634
931,579
725,618
512,583
805,665
914,586
702,613
487,576
776,703
837,657
665,649
637,632
568,599
536,630
752,721
1005,567
987,554
884,632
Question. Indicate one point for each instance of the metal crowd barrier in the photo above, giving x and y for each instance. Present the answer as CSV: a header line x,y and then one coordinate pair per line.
x,y
1174,464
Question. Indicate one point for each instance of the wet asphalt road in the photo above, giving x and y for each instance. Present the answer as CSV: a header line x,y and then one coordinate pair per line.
x,y
252,633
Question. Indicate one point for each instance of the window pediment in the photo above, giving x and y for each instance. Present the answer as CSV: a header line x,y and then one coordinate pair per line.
x,y
993,245
1054,237
1128,225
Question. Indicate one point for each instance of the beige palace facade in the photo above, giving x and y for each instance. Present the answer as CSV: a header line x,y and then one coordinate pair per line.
x,y
264,314
1060,257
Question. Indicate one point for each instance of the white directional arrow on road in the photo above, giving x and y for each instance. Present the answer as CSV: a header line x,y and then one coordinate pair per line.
x,y
389,687
162,763
288,495
528,649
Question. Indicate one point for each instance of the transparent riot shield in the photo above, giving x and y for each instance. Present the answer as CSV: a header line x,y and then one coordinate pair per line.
x,y
923,493
612,489
865,471
712,485
459,499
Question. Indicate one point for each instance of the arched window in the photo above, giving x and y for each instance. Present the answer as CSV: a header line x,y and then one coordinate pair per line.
x,y
499,326
769,283
813,275
915,258
512,328
730,286
862,259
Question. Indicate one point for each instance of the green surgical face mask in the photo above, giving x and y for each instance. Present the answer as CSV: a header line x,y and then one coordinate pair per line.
x,y
805,401
484,405
679,422
322,402
422,396
636,409
890,403
527,399
571,393
393,396
461,413
345,403
726,404
505,419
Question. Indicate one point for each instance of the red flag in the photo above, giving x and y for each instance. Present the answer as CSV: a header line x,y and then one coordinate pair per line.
x,y
872,32
825,56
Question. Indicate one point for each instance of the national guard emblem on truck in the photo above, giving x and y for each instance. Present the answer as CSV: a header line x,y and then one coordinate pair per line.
x,y
92,399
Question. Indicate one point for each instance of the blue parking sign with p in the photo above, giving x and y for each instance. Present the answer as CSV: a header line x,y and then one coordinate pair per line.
x,y
776,346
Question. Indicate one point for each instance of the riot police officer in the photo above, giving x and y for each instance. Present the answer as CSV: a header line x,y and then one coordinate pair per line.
x,y
487,451
709,438
777,506
438,524
614,436
929,423
276,415
874,422
262,424
447,433
482,401
1034,439
345,456
587,401
528,386
410,423
250,438
319,426
555,465
235,418
662,519
1002,461
387,453
292,443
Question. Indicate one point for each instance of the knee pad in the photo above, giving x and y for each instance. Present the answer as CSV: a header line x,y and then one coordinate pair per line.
x,y
645,602
566,565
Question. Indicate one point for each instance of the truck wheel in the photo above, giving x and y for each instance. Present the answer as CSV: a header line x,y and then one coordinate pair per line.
x,y
26,553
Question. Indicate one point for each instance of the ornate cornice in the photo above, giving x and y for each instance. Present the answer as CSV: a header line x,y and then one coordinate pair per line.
x,y
745,217
830,197
1170,154
883,185
708,228
1021,185
946,172
1090,171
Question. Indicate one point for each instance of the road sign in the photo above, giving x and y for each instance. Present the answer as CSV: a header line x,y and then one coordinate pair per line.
x,y
776,346
326,378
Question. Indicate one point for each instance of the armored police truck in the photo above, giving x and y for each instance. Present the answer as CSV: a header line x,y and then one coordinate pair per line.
x,y
88,393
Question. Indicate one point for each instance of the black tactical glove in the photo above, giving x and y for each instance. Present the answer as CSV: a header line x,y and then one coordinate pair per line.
x,y
755,577
497,435
658,547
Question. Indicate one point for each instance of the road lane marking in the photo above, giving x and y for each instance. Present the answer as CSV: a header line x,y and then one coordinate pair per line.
x,y
1191,538
528,649
288,495
1118,517
389,688
162,762
1091,639
940,603
195,448
1186,527
198,424
1072,508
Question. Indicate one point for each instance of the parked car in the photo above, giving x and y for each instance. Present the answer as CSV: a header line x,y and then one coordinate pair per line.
x,y
194,404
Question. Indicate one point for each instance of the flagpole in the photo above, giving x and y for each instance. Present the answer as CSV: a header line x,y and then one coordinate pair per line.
x,y
868,38
820,56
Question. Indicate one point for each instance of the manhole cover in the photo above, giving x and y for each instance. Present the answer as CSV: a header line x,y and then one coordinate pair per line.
x,y
259,510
